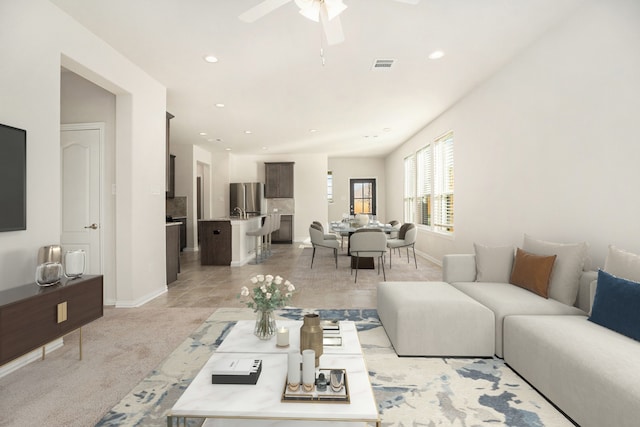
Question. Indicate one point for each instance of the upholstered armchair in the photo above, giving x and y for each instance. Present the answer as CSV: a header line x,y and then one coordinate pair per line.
x,y
406,238
318,240
369,242
327,236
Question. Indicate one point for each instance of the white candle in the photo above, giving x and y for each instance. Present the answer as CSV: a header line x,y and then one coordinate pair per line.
x,y
308,369
293,370
282,337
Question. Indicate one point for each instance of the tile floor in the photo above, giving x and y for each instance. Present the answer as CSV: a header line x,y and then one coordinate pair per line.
x,y
322,286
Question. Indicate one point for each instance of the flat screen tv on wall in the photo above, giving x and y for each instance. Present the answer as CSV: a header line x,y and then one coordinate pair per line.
x,y
13,178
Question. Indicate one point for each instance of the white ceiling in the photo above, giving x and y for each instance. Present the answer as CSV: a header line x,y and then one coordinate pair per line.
x,y
271,78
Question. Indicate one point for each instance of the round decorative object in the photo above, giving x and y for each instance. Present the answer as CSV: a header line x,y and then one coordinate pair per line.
x,y
265,327
311,335
48,273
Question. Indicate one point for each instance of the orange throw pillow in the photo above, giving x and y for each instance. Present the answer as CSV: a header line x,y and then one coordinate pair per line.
x,y
532,272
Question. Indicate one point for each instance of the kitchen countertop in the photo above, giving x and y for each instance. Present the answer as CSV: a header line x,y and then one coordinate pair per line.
x,y
233,218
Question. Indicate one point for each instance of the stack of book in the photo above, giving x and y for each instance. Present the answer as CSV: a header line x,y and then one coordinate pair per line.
x,y
331,333
236,371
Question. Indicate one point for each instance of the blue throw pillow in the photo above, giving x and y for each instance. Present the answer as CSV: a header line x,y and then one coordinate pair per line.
x,y
616,305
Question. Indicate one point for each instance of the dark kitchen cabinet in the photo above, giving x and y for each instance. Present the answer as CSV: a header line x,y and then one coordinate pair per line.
x,y
285,233
170,181
215,242
171,192
173,251
278,180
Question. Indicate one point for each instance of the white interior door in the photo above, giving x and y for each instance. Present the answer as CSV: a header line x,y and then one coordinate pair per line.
x,y
81,146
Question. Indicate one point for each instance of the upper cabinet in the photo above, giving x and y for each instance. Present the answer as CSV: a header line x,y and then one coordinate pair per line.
x,y
170,161
279,180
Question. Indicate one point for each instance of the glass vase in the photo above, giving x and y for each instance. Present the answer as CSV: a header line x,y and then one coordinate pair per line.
x,y
265,327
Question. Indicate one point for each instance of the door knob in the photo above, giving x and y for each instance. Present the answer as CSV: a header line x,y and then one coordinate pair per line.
x,y
93,226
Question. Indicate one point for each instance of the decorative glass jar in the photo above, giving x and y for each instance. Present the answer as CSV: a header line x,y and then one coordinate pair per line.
x,y
265,327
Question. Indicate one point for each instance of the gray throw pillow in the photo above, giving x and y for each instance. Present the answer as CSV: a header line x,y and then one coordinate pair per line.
x,y
493,264
565,276
622,264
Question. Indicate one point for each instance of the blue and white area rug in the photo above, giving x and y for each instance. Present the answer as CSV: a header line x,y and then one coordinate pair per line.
x,y
410,391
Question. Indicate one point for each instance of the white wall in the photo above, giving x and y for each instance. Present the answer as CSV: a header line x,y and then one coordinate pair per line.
x,y
309,188
84,102
549,145
344,169
36,38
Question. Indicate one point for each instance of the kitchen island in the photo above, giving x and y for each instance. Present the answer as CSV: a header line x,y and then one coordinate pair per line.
x,y
224,241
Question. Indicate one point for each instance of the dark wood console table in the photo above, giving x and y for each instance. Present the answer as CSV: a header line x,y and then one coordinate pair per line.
x,y
32,316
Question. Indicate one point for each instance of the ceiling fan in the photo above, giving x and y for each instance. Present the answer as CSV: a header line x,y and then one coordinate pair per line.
x,y
324,11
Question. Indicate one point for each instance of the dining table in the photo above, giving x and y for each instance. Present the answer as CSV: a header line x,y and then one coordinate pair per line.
x,y
352,227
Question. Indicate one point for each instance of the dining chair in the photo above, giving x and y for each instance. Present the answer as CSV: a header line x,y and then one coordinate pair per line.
x,y
406,238
318,241
327,236
369,242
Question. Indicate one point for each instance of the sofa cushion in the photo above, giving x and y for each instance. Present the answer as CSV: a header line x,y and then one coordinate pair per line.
x,y
532,272
565,277
615,305
622,264
591,373
505,299
493,264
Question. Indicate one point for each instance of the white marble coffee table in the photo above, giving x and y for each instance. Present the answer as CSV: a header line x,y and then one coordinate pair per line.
x,y
260,405
241,339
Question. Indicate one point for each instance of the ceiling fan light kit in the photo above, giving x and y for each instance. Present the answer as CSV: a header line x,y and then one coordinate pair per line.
x,y
327,12
311,9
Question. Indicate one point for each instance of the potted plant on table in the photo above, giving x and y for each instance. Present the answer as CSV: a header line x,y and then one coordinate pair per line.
x,y
268,294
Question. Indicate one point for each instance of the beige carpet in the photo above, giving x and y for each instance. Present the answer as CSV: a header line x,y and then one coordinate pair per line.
x,y
120,349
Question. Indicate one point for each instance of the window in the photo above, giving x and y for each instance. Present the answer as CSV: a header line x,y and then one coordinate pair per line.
x,y
424,187
363,196
409,188
443,183
428,186
330,186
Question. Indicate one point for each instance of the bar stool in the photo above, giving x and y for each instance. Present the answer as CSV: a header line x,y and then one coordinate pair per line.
x,y
261,235
275,226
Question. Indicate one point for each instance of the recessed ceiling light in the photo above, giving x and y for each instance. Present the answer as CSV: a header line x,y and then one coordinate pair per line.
x,y
248,132
436,54
211,59
220,105
264,148
228,149
313,130
203,134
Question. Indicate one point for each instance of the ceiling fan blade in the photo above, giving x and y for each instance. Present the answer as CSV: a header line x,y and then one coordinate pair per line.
x,y
409,1
261,9
332,28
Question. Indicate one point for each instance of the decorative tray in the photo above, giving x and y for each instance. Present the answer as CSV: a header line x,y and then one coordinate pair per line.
x,y
316,396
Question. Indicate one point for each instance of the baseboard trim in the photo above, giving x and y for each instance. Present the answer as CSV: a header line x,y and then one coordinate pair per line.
x,y
141,301
30,357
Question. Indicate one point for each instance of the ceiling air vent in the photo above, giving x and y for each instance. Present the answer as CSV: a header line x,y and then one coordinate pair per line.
x,y
383,64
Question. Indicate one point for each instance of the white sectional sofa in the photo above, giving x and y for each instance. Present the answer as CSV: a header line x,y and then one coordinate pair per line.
x,y
583,365
505,299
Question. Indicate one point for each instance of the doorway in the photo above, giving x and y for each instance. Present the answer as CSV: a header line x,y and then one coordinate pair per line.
x,y
81,148
362,196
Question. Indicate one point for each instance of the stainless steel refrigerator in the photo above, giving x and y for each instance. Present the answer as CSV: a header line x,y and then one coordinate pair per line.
x,y
248,196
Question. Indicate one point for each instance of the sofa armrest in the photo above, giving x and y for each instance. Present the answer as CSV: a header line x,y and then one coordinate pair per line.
x,y
592,294
459,268
584,299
